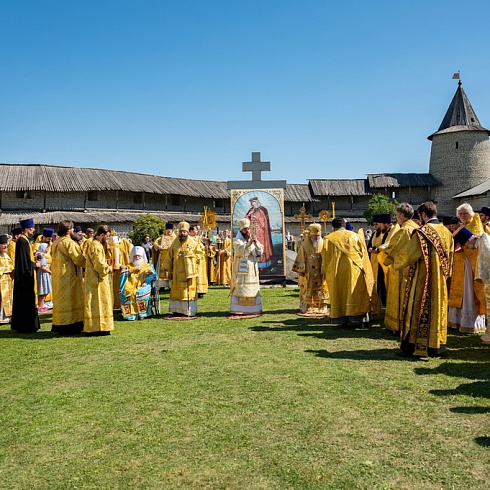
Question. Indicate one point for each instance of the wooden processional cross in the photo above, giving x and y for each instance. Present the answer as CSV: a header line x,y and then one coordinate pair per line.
x,y
302,217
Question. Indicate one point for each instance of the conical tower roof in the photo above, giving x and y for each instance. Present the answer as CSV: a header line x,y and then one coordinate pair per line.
x,y
460,115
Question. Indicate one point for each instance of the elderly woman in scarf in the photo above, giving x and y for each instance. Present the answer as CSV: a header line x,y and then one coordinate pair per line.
x,y
135,286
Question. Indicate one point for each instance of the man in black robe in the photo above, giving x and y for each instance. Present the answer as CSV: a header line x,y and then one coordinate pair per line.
x,y
24,310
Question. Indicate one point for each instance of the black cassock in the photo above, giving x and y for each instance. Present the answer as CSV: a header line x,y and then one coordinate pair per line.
x,y
24,312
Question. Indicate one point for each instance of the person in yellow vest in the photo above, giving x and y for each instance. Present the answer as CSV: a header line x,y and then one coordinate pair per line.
x,y
348,275
202,262
485,219
308,264
16,232
466,297
66,266
6,284
161,247
181,264
89,236
98,314
25,318
398,279
429,255
224,260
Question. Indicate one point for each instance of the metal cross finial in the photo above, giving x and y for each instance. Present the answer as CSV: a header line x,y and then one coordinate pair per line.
x,y
302,217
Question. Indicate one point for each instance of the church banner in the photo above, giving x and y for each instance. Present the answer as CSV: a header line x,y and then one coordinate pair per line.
x,y
265,210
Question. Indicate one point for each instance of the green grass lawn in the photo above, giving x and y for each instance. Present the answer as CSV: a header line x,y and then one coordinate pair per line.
x,y
275,402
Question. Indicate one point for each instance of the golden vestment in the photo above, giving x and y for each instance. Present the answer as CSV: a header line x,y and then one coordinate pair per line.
x,y
397,279
212,262
245,286
11,249
224,262
98,315
429,256
348,274
160,249
313,290
202,267
6,285
463,279
181,261
482,275
66,268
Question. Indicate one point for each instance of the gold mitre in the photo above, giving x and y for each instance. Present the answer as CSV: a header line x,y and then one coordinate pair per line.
x,y
244,223
315,229
183,225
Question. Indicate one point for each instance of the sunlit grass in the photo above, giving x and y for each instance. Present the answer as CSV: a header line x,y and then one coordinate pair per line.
x,y
273,402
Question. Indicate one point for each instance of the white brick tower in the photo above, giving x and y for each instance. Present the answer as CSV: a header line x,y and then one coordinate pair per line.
x,y
460,153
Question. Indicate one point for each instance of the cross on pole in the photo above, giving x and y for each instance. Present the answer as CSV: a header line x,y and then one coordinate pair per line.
x,y
302,217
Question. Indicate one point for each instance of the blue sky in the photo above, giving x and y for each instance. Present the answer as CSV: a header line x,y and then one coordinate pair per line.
x,y
190,88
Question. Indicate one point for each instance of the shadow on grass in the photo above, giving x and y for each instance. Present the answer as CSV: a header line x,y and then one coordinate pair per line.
x,y
39,335
470,410
325,330
365,355
470,370
478,389
483,441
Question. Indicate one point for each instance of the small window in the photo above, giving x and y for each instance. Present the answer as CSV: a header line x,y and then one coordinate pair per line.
x,y
23,195
393,195
175,200
92,196
218,203
137,197
457,145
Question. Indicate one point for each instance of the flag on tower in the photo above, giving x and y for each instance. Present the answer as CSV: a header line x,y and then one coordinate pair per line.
x,y
456,76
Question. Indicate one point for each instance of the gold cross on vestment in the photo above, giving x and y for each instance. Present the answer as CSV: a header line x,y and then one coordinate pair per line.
x,y
302,217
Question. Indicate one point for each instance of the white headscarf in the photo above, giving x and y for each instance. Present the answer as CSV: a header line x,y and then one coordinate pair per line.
x,y
138,251
41,248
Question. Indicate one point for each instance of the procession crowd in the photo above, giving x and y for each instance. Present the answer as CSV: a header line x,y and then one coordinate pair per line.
x,y
427,276
84,277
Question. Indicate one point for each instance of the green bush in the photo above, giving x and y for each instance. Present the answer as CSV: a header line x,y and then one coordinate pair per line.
x,y
149,225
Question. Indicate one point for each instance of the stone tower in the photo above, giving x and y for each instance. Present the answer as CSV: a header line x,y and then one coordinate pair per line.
x,y
460,153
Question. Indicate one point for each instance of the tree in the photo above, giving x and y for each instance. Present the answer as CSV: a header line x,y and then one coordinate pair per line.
x,y
380,204
148,225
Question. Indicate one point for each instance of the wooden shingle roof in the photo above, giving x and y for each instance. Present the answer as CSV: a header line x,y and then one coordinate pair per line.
x,y
340,187
380,181
18,177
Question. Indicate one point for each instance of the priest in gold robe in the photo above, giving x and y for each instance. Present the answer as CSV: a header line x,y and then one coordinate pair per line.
x,y
161,247
135,286
485,219
67,262
466,297
6,284
482,272
181,264
245,287
429,255
202,261
16,232
348,275
98,315
397,279
224,259
308,264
